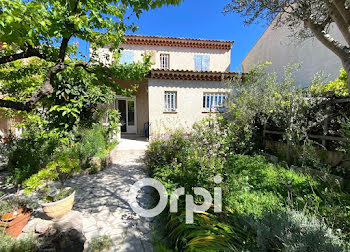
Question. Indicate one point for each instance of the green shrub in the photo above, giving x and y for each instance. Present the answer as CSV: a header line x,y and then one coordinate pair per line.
x,y
166,150
30,153
294,231
100,243
339,87
10,244
64,165
93,142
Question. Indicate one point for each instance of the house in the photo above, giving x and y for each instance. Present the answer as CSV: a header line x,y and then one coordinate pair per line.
x,y
277,46
185,84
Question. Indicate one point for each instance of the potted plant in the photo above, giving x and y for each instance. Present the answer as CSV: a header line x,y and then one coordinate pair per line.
x,y
56,202
14,215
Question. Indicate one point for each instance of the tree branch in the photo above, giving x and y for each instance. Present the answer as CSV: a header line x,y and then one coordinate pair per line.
x,y
84,66
47,88
340,50
340,21
27,53
341,7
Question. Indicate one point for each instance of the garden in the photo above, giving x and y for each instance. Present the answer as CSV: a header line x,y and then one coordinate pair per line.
x,y
270,201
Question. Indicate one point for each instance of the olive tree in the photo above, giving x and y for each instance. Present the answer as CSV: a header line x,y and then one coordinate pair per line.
x,y
306,18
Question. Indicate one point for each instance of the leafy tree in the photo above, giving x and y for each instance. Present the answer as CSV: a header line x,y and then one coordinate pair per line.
x,y
307,18
44,29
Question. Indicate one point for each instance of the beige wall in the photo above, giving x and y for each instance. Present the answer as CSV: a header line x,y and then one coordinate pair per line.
x,y
276,46
189,103
8,126
181,58
142,115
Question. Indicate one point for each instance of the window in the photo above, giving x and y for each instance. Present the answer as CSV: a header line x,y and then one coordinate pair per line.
x,y
170,101
201,62
214,101
127,57
164,61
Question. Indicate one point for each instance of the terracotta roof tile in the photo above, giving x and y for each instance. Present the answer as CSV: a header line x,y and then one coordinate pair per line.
x,y
191,75
178,42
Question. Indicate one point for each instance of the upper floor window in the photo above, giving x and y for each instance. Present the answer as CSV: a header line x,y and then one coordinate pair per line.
x,y
214,101
170,101
201,62
127,57
164,61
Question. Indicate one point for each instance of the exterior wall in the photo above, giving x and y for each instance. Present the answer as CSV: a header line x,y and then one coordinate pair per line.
x,y
276,46
181,58
8,127
142,115
189,103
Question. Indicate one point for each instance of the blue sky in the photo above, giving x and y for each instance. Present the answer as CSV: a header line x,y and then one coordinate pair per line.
x,y
201,19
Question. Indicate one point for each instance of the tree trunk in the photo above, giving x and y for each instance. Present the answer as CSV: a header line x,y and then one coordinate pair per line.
x,y
346,65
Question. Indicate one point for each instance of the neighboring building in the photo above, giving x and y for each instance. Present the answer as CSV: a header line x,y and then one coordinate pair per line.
x,y
8,126
278,47
184,86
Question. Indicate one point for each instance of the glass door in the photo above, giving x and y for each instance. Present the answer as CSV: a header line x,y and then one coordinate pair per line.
x,y
127,109
121,106
131,118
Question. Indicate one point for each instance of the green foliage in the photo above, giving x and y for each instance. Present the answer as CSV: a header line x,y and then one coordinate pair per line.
x,y
11,244
63,166
100,243
43,23
339,87
252,188
30,153
264,100
166,150
42,28
93,142
76,99
294,231
209,232
61,194
12,204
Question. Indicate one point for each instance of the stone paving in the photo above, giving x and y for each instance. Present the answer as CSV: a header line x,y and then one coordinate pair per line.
x,y
103,200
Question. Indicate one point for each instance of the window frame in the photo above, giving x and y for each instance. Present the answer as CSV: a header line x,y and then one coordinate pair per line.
x,y
214,101
161,57
170,96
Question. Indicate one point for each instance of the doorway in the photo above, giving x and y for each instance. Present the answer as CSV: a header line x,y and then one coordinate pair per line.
x,y
127,109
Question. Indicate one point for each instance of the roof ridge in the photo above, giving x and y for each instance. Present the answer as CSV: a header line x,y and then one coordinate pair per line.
x,y
178,38
193,71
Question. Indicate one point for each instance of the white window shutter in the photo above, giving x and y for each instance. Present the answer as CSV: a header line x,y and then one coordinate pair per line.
x,y
205,63
127,57
198,62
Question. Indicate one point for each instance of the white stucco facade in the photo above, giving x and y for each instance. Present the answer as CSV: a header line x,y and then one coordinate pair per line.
x,y
276,46
189,103
180,58
198,93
